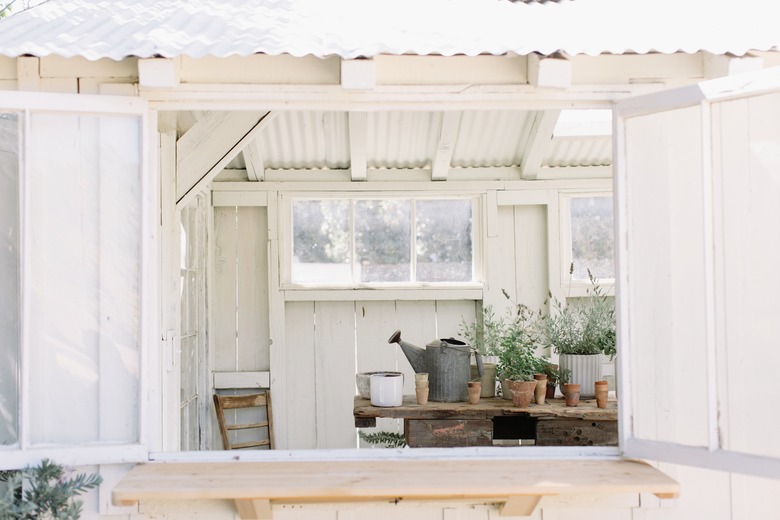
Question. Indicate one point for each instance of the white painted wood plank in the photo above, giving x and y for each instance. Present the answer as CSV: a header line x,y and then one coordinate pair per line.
x,y
448,135
230,198
375,321
334,340
252,286
224,290
449,316
277,327
256,379
502,271
417,323
531,261
300,378
427,293
27,73
516,197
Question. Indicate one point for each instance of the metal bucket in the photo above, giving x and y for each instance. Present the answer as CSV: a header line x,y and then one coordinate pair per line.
x,y
449,368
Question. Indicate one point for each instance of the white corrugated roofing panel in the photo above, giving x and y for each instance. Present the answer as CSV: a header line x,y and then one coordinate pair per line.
x,y
579,151
350,28
491,138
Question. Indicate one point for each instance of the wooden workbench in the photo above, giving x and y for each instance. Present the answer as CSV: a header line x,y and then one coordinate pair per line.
x,y
495,421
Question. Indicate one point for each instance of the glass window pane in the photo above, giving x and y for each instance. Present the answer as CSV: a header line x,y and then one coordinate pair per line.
x,y
383,240
444,242
321,242
592,237
84,300
9,277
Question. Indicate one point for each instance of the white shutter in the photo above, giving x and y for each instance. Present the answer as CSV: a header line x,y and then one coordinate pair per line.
x,y
698,213
87,271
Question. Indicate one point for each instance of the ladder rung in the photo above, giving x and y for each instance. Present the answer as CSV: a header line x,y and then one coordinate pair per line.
x,y
250,444
247,426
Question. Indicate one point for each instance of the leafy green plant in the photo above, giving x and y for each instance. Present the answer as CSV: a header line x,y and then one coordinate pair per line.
x,y
386,439
44,491
517,358
484,334
588,327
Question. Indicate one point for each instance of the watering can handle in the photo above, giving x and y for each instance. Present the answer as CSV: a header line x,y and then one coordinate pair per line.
x,y
480,369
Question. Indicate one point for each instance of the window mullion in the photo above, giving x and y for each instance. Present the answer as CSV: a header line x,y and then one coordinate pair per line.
x,y
413,242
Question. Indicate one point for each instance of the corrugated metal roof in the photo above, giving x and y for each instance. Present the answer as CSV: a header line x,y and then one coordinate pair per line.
x,y
351,28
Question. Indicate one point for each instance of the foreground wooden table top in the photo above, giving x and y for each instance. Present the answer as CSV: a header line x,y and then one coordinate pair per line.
x,y
517,485
487,408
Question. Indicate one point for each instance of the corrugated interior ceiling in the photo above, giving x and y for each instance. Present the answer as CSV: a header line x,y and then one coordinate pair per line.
x,y
310,140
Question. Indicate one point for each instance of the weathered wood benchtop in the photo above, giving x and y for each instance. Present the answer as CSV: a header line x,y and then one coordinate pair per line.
x,y
487,408
517,485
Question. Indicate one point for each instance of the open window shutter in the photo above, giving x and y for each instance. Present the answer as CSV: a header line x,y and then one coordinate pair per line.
x,y
86,265
698,220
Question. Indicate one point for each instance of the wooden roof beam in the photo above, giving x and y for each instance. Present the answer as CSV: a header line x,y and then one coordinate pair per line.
x,y
255,168
448,134
210,145
539,142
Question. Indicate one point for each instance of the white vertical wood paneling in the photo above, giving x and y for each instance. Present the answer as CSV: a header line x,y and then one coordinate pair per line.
x,y
225,331
252,288
666,298
276,326
417,323
530,254
449,315
749,330
300,378
334,352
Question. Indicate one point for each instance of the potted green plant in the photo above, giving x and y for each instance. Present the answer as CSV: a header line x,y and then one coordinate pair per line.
x,y
517,360
580,333
484,336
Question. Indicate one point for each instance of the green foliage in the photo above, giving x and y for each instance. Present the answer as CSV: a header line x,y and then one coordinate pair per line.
x,y
484,335
44,491
386,439
585,328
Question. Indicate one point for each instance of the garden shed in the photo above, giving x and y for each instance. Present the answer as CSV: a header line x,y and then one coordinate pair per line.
x,y
206,198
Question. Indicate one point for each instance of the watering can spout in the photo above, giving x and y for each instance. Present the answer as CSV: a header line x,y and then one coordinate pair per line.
x,y
414,354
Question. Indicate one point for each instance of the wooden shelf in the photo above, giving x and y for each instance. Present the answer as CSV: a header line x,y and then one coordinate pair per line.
x,y
517,485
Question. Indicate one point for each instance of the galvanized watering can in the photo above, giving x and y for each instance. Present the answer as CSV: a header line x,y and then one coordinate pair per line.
x,y
448,364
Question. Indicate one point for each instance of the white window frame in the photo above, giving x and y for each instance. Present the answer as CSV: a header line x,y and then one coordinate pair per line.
x,y
22,453
704,95
569,287
432,290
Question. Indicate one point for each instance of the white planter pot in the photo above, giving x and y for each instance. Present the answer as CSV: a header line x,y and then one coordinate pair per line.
x,y
585,370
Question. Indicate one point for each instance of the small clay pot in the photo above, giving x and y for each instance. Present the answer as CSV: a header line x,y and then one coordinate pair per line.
x,y
571,392
602,393
550,393
422,394
475,389
541,388
522,392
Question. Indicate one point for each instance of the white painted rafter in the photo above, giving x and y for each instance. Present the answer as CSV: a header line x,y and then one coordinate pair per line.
x,y
358,126
210,145
539,141
255,168
448,133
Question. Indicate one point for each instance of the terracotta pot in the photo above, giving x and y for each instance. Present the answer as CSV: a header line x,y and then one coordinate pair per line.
x,y
488,378
475,389
422,394
550,394
602,392
522,392
541,388
571,392
585,370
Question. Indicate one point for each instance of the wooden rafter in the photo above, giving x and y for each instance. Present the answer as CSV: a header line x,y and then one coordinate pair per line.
x,y
210,145
539,141
448,133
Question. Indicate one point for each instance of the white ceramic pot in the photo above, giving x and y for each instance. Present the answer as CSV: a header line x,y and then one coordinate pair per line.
x,y
363,382
585,370
387,389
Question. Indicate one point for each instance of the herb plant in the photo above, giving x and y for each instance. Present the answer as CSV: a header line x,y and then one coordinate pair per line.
x,y
44,491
